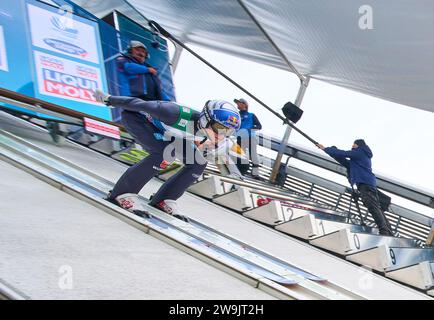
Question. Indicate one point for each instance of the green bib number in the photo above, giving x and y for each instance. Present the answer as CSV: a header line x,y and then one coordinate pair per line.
x,y
183,119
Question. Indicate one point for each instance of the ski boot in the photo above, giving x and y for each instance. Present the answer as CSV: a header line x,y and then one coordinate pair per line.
x,y
130,202
170,207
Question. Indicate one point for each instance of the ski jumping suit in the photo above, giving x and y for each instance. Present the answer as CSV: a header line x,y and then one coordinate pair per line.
x,y
149,122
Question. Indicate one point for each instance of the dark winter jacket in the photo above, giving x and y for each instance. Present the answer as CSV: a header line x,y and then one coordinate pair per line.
x,y
135,80
249,121
357,162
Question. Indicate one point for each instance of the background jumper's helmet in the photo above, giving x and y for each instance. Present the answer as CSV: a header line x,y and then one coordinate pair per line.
x,y
221,116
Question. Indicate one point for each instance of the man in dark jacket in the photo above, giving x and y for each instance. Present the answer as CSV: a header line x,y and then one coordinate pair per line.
x,y
357,161
138,78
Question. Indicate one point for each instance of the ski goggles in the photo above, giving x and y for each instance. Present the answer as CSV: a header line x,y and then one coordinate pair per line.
x,y
221,129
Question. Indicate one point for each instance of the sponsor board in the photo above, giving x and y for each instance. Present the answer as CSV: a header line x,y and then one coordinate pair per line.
x,y
102,128
3,56
66,79
62,32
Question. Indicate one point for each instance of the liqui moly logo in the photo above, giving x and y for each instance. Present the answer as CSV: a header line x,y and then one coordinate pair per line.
x,y
68,86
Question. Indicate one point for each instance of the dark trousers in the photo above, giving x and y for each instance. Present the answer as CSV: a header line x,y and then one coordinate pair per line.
x,y
251,143
146,134
371,200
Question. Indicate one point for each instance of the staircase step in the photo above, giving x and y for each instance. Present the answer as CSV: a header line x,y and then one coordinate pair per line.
x,y
346,242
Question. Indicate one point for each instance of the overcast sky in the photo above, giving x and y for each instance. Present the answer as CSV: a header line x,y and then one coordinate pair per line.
x,y
401,138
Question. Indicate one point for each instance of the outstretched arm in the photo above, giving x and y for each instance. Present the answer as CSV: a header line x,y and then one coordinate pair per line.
x,y
335,152
331,151
342,160
167,112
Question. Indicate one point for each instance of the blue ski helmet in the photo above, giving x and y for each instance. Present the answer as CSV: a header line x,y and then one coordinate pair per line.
x,y
221,116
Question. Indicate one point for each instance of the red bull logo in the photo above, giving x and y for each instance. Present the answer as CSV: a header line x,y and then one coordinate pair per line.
x,y
69,86
232,120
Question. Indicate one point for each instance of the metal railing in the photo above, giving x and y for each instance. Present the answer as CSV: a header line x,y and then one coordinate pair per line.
x,y
7,292
411,193
407,223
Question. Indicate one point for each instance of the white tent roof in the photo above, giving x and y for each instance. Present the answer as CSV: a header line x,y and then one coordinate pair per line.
x,y
322,39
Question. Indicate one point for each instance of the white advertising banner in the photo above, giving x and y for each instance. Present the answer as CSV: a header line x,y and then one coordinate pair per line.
x,y
63,33
102,128
66,79
3,56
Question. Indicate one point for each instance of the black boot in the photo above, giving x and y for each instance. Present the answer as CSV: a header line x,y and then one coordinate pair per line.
x,y
109,198
386,232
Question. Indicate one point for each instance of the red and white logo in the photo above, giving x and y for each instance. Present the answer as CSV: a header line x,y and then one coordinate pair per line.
x,y
69,86
87,72
102,128
66,79
52,63
126,204
163,206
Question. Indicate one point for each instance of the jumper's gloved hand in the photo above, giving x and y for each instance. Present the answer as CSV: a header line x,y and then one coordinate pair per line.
x,y
101,96
224,149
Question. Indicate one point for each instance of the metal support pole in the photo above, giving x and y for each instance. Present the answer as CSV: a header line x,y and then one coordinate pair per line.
x,y
284,142
429,240
176,57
